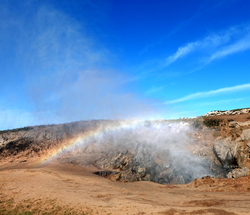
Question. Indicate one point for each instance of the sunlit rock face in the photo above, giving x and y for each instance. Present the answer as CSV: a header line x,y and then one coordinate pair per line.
x,y
234,154
232,143
228,112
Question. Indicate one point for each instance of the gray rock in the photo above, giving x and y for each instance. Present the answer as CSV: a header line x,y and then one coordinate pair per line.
x,y
232,154
239,172
248,144
245,135
225,150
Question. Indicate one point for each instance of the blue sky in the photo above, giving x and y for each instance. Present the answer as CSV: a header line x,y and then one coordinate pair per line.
x,y
63,61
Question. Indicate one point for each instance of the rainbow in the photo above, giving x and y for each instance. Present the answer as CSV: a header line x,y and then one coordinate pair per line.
x,y
69,145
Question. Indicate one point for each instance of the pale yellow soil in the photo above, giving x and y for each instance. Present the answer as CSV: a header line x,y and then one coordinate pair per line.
x,y
58,188
91,194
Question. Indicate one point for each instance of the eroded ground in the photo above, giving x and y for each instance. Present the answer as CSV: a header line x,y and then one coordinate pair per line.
x,y
68,189
63,188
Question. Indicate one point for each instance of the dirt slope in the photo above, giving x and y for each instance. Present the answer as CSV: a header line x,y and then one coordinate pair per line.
x,y
62,187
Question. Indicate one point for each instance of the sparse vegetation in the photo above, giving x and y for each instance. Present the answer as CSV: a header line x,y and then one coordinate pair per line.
x,y
27,128
197,124
212,122
233,110
17,129
39,207
238,109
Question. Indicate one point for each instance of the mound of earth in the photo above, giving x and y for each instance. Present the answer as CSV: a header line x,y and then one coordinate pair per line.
x,y
210,184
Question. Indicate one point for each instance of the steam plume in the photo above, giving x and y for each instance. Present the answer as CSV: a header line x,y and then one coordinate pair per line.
x,y
162,151
66,72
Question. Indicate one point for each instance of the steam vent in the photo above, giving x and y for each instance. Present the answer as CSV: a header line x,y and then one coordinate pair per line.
x,y
163,151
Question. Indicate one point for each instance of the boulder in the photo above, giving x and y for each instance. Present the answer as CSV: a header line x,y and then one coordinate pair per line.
x,y
245,136
231,154
225,150
239,172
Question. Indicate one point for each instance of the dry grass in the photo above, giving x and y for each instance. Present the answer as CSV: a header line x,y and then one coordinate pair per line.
x,y
8,206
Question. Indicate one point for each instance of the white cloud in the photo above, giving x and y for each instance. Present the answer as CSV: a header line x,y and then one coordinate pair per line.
x,y
239,46
211,93
154,90
215,46
181,52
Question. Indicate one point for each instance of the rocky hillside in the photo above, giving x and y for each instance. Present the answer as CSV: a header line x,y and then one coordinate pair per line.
x,y
228,112
38,140
173,152
232,139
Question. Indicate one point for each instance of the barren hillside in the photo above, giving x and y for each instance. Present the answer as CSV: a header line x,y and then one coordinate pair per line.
x,y
201,166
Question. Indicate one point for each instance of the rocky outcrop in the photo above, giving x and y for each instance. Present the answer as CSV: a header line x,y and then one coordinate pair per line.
x,y
239,172
245,136
32,141
234,155
226,149
227,112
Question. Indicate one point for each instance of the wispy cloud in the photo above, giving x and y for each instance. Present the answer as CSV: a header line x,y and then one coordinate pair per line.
x,y
154,90
215,45
241,45
181,52
65,68
211,93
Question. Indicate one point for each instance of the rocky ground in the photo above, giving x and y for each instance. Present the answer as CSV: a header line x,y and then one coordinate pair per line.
x,y
201,166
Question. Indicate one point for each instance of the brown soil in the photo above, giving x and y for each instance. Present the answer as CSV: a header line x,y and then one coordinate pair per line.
x,y
57,188
68,189
240,117
224,129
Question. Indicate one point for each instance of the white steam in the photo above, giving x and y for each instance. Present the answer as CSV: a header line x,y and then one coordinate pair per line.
x,y
165,149
66,74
